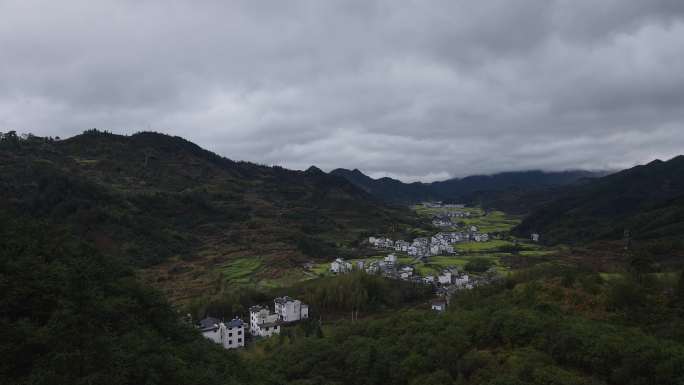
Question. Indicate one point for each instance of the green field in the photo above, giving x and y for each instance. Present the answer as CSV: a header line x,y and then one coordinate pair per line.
x,y
241,271
469,247
493,222
252,272
424,211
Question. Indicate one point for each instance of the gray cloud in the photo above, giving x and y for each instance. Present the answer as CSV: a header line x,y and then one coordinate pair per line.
x,y
413,89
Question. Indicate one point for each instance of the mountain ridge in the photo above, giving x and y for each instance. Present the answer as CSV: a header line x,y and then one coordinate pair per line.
x,y
396,191
646,200
162,201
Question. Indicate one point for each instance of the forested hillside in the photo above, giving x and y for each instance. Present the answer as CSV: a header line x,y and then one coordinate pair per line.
x,y
646,200
545,325
69,315
152,198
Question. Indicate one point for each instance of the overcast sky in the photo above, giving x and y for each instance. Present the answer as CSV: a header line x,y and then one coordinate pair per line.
x,y
419,90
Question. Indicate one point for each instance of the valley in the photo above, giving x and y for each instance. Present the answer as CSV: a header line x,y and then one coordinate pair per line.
x,y
147,235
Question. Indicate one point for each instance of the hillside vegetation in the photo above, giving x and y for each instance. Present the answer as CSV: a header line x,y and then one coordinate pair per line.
x,y
646,200
164,203
546,325
70,315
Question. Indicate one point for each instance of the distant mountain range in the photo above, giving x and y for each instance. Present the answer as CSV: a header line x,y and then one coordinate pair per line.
x,y
571,207
467,189
646,200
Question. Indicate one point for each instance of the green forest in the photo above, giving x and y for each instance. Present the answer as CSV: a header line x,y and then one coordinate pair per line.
x,y
71,316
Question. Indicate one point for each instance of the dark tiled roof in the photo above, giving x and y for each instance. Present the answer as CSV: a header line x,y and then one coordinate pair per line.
x,y
236,323
208,322
283,299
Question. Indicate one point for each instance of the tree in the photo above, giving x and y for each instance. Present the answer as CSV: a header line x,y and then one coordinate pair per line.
x,y
478,265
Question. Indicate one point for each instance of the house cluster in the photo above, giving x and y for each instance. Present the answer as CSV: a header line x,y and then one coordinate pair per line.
x,y
439,244
449,218
420,247
388,264
448,281
340,266
451,281
440,205
262,322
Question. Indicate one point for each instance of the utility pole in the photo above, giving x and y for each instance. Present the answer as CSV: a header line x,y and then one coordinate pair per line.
x,y
627,240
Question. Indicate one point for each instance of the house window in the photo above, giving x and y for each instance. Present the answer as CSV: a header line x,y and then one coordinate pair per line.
x,y
230,342
239,332
267,328
230,334
239,340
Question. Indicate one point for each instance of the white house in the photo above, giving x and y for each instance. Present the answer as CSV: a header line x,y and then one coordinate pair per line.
x,y
438,305
290,310
473,228
262,322
406,272
445,278
481,237
391,260
381,242
428,279
535,237
339,266
233,334
401,245
462,280
421,241
230,335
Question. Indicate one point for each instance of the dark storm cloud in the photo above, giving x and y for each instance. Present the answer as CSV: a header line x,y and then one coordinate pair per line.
x,y
412,89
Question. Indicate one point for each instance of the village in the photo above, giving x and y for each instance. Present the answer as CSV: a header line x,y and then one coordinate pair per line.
x,y
399,260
